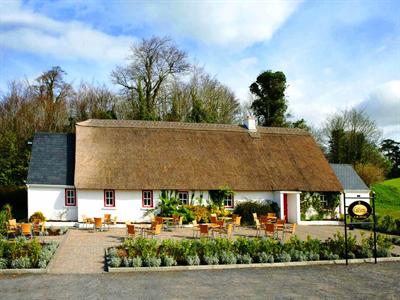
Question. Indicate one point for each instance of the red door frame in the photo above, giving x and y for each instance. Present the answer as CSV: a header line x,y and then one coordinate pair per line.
x,y
285,207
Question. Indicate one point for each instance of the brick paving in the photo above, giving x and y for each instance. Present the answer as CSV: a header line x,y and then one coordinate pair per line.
x,y
82,251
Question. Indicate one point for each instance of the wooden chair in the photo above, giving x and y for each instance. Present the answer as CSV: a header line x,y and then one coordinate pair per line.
x,y
11,230
156,230
114,220
226,231
255,216
196,229
214,219
130,230
270,230
98,224
290,229
271,215
12,224
264,220
107,220
26,230
87,221
280,224
237,221
204,230
258,227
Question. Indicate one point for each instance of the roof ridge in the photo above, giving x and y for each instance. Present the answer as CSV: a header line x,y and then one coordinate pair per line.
x,y
185,126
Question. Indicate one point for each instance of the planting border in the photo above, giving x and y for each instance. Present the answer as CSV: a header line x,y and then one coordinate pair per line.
x,y
247,266
35,270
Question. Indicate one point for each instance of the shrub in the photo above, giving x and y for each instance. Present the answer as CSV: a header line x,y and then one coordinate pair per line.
x,y
169,261
337,244
283,257
383,252
152,261
34,249
244,259
265,258
3,263
192,260
312,255
136,262
297,255
45,256
228,258
247,208
211,259
126,262
63,230
42,264
22,262
114,261
37,216
112,252
200,213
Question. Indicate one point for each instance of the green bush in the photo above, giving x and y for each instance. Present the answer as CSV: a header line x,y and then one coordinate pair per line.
x,y
126,262
137,262
265,258
283,257
211,259
114,261
152,261
228,258
247,208
192,260
244,259
169,261
3,263
22,262
297,255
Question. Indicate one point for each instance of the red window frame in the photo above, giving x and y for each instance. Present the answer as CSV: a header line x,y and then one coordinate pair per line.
x,y
187,198
66,197
232,202
151,199
113,198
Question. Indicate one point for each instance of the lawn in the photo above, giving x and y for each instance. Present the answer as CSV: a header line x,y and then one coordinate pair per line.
x,y
387,195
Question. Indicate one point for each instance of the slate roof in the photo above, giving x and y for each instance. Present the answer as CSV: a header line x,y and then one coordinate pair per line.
x,y
348,177
53,159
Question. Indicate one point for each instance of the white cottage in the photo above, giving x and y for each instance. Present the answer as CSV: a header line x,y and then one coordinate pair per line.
x,y
121,166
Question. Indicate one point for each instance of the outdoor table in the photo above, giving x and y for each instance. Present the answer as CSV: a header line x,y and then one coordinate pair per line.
x,y
141,228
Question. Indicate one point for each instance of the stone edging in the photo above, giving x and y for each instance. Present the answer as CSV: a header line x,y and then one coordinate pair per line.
x,y
253,265
37,270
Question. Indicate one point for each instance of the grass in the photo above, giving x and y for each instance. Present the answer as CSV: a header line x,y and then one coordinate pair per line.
x,y
387,195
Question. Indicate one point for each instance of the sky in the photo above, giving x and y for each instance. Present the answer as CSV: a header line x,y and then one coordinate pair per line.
x,y
336,55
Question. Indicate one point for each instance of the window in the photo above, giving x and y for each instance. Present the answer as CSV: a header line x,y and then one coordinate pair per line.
x,y
147,198
324,202
109,198
228,201
183,197
70,197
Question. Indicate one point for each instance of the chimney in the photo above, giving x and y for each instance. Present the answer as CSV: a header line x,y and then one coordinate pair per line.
x,y
250,123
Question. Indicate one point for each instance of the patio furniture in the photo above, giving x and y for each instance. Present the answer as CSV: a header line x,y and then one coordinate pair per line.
x,y
26,230
130,230
196,229
258,226
204,230
98,224
38,228
87,221
11,230
214,219
270,230
237,221
279,226
225,231
255,216
153,231
289,228
12,224
264,220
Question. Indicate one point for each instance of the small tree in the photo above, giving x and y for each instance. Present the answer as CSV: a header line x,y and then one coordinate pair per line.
x,y
370,173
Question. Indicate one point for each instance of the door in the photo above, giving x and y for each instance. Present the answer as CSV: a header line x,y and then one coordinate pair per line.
x,y
285,208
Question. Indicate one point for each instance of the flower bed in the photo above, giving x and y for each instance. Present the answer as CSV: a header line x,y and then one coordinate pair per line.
x,y
25,254
141,252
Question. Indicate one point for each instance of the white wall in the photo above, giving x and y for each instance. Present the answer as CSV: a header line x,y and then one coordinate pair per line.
x,y
293,208
128,205
353,195
50,200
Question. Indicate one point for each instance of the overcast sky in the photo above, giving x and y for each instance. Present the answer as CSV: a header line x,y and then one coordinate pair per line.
x,y
335,54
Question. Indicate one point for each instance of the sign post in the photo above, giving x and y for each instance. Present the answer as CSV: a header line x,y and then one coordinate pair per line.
x,y
359,210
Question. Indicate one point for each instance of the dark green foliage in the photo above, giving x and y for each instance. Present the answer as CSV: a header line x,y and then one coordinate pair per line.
x,y
217,196
17,197
391,150
270,104
247,208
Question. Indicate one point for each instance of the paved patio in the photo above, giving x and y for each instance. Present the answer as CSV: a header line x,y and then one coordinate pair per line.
x,y
82,251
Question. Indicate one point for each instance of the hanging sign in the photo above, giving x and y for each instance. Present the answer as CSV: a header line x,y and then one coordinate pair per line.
x,y
359,210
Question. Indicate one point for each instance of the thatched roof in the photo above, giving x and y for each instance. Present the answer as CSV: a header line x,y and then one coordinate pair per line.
x,y
132,155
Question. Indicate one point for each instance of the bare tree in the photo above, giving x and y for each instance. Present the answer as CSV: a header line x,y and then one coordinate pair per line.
x,y
152,63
